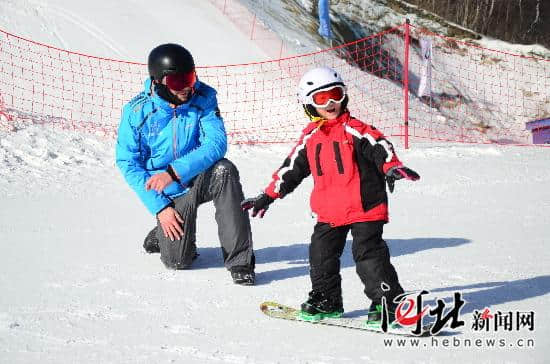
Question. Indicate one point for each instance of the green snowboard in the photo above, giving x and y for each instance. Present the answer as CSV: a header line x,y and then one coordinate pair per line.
x,y
277,310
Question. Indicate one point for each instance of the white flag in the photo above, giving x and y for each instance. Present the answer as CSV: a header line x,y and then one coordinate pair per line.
x,y
425,87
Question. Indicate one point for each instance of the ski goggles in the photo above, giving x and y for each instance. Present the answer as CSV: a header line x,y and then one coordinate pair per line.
x,y
179,81
321,98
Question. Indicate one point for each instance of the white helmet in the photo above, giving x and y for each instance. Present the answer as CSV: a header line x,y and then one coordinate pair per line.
x,y
316,79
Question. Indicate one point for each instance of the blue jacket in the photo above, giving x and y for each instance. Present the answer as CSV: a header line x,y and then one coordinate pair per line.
x,y
153,135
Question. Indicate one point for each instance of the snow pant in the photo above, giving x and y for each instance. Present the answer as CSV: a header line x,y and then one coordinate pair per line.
x,y
221,185
370,253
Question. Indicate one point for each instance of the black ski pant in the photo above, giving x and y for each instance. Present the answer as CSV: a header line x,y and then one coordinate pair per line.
x,y
370,253
220,184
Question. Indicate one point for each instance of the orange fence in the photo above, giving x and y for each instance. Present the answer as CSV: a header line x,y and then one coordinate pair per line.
x,y
477,95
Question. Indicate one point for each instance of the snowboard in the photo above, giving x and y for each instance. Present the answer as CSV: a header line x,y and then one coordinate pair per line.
x,y
277,310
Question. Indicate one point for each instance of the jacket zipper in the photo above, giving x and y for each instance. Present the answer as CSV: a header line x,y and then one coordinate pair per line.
x,y
318,159
175,136
338,157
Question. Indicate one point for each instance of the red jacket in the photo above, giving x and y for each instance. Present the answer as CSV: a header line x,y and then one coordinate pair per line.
x,y
348,160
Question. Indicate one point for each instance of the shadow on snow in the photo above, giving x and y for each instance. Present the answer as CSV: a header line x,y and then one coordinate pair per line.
x,y
296,255
477,295
495,293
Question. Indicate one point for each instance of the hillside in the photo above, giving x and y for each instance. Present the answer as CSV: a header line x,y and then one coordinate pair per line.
x,y
468,101
355,19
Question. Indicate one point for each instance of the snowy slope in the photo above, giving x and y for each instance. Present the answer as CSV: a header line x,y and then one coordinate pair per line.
x,y
491,83
128,29
77,287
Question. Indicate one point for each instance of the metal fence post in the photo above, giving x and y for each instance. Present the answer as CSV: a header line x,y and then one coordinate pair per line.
x,y
406,85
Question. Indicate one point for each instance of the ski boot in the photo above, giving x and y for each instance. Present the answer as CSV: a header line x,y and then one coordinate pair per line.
x,y
319,306
151,243
244,276
374,315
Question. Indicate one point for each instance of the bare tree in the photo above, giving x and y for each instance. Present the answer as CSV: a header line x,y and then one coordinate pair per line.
x,y
536,21
489,17
520,14
510,20
466,8
447,14
476,17
507,13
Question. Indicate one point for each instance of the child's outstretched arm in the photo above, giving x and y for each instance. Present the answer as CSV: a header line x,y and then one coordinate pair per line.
x,y
376,148
292,172
387,162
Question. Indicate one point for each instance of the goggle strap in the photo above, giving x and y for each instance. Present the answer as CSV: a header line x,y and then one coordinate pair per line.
x,y
326,87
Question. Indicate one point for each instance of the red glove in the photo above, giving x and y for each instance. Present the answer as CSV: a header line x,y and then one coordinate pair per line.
x,y
396,173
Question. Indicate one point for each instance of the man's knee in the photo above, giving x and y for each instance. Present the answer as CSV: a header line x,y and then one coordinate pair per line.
x,y
225,168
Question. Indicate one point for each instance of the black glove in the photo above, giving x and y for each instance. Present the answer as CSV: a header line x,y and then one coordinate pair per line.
x,y
396,173
258,204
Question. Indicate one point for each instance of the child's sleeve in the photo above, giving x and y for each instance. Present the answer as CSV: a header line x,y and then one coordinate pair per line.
x,y
375,147
293,171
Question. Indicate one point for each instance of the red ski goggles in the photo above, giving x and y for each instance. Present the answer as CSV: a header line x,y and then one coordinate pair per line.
x,y
179,81
323,97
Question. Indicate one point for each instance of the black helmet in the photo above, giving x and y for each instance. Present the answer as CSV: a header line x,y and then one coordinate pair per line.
x,y
169,58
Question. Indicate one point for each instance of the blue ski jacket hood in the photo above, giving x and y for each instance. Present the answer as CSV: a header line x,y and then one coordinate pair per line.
x,y
153,135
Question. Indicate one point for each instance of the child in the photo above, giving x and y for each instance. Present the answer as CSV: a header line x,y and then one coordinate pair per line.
x,y
350,162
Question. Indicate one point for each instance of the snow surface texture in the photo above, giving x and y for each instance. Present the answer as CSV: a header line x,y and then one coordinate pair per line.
x,y
77,286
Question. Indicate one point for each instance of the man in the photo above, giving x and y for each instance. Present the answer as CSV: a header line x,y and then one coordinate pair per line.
x,y
170,149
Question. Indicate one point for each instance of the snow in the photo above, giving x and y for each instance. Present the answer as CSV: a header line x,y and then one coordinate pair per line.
x,y
95,28
481,87
77,286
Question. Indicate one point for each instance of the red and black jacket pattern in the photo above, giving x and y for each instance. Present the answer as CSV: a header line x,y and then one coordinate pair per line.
x,y
348,160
